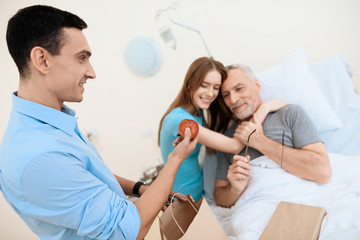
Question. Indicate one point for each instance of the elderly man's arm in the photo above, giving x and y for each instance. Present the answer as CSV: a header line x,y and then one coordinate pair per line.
x,y
226,193
311,162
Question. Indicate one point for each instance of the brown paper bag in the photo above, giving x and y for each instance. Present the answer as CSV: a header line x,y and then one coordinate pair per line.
x,y
294,221
190,220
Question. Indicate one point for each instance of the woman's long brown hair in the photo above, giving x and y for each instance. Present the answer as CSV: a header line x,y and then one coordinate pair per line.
x,y
218,115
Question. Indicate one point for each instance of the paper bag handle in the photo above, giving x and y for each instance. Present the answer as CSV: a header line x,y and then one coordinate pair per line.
x,y
172,214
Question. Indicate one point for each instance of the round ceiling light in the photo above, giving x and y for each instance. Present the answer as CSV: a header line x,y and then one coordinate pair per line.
x,y
143,56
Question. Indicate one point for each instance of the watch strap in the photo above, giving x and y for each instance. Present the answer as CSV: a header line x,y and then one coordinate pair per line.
x,y
136,188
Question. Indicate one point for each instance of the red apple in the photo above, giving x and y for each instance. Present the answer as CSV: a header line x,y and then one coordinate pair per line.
x,y
193,125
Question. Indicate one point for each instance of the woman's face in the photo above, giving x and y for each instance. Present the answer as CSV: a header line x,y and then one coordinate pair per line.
x,y
208,90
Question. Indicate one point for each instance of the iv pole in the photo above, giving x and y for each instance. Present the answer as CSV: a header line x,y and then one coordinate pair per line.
x,y
183,25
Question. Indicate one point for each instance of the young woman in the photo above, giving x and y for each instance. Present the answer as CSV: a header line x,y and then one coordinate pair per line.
x,y
199,100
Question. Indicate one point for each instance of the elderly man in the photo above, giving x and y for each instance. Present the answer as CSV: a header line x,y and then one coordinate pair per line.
x,y
304,154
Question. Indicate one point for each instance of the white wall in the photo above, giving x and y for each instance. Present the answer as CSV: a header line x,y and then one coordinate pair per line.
x,y
120,105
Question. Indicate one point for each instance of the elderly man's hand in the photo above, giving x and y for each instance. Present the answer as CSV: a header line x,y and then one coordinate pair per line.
x,y
245,128
239,174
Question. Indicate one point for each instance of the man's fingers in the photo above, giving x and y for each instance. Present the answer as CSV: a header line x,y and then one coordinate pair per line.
x,y
239,177
178,196
187,133
240,165
241,170
241,158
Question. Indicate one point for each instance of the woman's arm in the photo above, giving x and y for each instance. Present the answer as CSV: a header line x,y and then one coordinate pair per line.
x,y
267,107
220,142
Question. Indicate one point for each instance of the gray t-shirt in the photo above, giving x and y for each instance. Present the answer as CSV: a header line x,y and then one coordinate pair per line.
x,y
298,130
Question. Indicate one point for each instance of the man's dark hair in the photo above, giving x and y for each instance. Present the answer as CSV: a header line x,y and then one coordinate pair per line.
x,y
38,26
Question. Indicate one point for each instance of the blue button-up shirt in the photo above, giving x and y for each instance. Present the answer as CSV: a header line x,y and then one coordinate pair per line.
x,y
56,181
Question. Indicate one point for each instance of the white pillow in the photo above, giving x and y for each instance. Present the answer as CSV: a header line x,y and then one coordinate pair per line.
x,y
292,81
334,78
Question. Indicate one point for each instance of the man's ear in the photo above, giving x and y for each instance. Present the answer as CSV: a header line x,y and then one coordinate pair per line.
x,y
38,56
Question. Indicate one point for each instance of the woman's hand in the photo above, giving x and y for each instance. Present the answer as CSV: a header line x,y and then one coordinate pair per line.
x,y
267,107
274,105
177,140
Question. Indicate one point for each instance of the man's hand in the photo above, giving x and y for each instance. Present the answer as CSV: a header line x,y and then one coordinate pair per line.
x,y
227,192
178,196
153,199
143,189
245,128
239,174
184,147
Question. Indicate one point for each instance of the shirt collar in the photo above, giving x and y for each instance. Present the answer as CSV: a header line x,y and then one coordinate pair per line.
x,y
64,120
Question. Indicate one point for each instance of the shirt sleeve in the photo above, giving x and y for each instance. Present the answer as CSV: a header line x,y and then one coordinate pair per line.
x,y
303,129
59,190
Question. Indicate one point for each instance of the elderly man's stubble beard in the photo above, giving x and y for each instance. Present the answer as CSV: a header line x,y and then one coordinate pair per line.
x,y
249,111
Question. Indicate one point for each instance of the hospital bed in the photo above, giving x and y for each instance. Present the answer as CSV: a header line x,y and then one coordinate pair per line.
x,y
326,92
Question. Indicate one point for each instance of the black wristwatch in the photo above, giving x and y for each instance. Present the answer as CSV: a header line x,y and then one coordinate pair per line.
x,y
136,188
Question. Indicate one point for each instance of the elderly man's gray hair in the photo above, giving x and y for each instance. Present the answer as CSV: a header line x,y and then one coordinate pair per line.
x,y
243,67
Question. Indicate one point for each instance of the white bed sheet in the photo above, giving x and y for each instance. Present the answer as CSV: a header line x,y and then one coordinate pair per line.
x,y
248,218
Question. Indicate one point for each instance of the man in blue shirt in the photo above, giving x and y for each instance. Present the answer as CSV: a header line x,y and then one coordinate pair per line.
x,y
50,173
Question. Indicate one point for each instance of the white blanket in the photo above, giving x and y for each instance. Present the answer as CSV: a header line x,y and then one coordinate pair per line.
x,y
247,219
